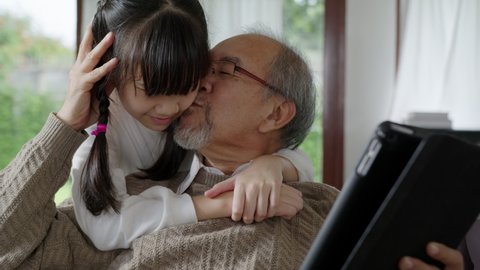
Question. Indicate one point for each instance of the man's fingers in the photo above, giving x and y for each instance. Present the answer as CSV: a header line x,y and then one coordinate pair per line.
x,y
409,263
450,257
224,186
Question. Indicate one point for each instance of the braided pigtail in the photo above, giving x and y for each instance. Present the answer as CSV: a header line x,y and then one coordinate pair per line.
x,y
97,189
96,182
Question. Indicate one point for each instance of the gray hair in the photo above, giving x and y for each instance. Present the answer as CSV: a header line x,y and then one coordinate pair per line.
x,y
290,73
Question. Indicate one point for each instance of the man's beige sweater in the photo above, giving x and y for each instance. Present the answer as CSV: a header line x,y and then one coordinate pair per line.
x,y
35,234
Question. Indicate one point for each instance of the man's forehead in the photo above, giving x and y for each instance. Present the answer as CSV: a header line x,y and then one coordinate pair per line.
x,y
235,59
229,51
245,49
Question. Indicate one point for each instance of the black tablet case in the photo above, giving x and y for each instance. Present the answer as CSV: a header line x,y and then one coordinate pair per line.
x,y
411,186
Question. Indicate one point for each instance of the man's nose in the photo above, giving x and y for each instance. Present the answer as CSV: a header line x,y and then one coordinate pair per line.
x,y
206,83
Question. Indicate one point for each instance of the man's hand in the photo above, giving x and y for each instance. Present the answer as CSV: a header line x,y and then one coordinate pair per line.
x,y
451,258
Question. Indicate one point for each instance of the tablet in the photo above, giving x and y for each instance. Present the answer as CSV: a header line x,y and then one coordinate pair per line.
x,y
408,188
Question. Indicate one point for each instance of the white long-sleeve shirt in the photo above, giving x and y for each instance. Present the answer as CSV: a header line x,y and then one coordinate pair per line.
x,y
132,146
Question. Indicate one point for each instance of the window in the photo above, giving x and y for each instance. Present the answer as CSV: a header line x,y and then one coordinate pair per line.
x,y
36,53
303,25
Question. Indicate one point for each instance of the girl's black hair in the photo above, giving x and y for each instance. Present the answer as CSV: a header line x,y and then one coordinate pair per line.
x,y
164,41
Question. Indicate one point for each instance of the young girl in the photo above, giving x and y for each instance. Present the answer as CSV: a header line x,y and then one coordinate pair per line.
x,y
162,48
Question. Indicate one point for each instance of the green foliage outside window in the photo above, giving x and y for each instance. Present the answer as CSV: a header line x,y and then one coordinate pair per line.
x,y
22,117
303,22
23,110
303,26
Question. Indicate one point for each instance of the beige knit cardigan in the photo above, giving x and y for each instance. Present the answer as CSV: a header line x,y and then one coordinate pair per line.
x,y
35,234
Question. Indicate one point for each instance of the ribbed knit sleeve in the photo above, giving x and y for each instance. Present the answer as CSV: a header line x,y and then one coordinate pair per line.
x,y
27,188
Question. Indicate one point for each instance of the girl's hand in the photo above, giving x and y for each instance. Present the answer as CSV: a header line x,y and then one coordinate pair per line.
x,y
451,258
256,189
77,110
291,203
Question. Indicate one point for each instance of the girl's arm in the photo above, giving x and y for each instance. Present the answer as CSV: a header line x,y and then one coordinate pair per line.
x,y
207,208
257,188
147,212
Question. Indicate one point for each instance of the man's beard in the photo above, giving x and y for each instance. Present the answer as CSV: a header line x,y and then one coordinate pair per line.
x,y
194,137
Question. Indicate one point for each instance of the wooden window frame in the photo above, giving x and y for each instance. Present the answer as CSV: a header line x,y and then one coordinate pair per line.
x,y
79,24
334,92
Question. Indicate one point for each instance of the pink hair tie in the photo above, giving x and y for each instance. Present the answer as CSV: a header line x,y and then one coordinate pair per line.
x,y
101,128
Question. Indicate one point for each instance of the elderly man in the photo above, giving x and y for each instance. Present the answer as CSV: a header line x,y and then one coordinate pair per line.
x,y
239,116
240,113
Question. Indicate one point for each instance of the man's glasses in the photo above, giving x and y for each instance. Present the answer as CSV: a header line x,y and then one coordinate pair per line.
x,y
228,68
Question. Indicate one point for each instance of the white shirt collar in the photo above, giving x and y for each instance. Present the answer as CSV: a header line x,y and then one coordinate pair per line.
x,y
196,165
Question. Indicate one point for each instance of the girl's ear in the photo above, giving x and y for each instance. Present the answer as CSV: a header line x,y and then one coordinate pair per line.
x,y
281,114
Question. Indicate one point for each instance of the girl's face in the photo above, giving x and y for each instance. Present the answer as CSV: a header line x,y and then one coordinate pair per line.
x,y
154,112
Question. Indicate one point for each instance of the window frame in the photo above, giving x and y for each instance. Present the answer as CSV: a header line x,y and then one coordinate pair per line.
x,y
334,93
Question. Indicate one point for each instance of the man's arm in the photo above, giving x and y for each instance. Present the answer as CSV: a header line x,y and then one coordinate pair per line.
x,y
28,186
29,183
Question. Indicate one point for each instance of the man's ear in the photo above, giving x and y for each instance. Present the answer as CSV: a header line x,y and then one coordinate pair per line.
x,y
282,113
